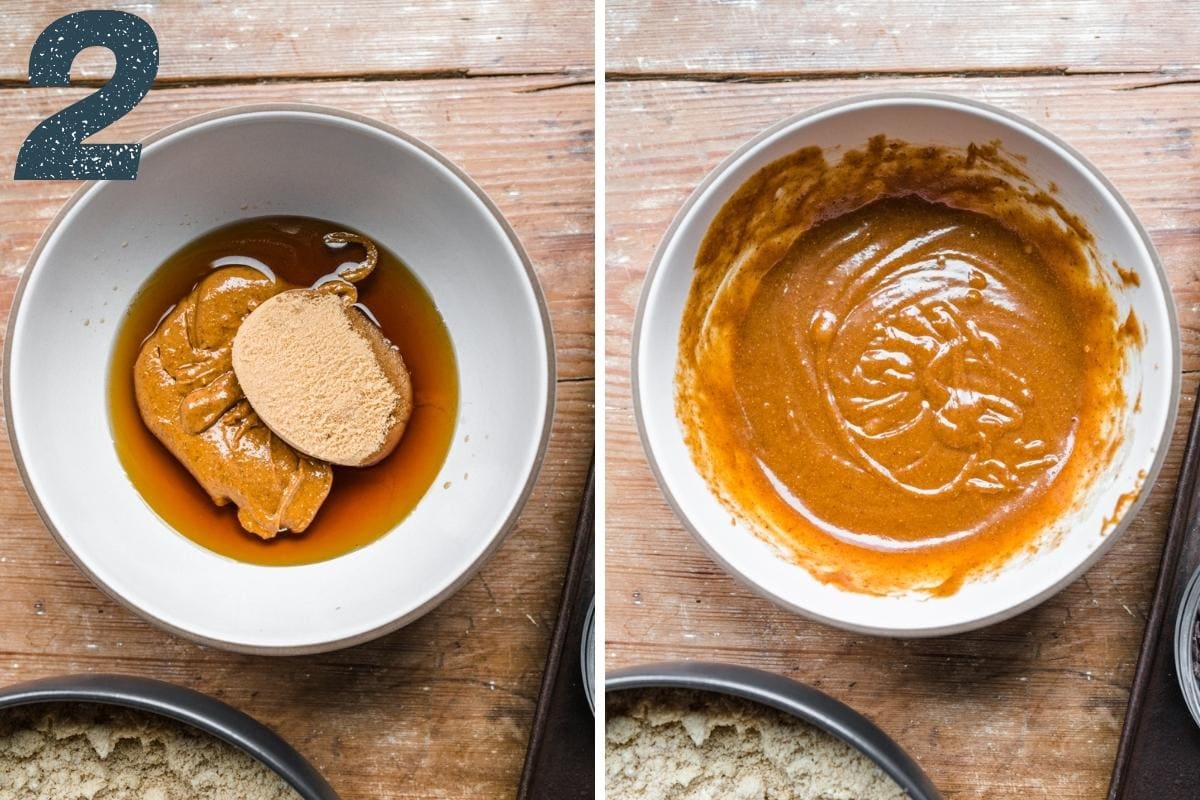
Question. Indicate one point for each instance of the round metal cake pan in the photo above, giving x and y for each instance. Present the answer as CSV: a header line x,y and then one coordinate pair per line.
x,y
1187,627
183,705
587,655
791,697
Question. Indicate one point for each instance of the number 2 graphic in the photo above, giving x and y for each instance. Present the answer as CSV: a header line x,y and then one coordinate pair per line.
x,y
54,150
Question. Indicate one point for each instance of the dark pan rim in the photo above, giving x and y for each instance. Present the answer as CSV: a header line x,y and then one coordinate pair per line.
x,y
183,705
791,697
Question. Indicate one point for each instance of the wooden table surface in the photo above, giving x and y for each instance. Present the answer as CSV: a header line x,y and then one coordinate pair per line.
x,y
441,709
1029,708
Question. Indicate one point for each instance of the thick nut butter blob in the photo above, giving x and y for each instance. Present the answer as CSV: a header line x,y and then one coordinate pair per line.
x,y
189,439
189,398
903,367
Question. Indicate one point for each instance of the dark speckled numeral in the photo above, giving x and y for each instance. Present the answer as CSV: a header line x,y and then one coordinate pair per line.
x,y
55,149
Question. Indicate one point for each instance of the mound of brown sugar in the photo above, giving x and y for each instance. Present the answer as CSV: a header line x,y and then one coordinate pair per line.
x,y
95,752
323,377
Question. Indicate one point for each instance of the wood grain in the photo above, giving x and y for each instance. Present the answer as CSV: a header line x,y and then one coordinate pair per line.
x,y
289,39
442,708
528,143
1028,708
764,38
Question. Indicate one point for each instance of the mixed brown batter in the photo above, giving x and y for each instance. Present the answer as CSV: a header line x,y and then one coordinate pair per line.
x,y
901,367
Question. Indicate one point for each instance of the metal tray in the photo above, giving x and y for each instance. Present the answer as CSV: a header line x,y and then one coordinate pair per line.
x,y
1159,754
560,763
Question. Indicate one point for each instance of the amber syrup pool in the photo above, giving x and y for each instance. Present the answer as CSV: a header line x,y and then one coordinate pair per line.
x,y
363,504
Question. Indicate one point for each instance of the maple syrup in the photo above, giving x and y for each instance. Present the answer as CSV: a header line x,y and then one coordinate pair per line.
x,y
364,503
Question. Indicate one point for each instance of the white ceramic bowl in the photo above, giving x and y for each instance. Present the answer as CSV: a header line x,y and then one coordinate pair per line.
x,y
249,162
1153,373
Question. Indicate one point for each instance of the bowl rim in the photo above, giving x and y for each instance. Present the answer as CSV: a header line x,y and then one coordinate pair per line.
x,y
187,706
497,537
1186,623
957,103
791,697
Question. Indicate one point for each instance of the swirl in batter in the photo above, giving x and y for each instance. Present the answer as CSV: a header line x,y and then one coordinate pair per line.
x,y
901,368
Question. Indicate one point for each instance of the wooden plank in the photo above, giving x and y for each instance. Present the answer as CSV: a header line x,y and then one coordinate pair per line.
x,y
221,41
442,708
1028,708
529,145
759,37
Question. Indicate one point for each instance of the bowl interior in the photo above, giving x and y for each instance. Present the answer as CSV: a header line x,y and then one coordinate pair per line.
x,y
279,161
1151,383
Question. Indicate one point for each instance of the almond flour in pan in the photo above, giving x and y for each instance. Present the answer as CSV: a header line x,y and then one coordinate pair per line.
x,y
96,752
682,745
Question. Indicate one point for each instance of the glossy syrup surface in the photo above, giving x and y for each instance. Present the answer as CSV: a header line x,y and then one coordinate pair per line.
x,y
363,504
